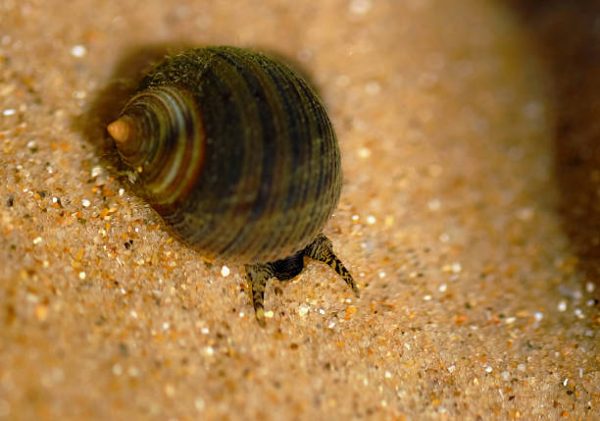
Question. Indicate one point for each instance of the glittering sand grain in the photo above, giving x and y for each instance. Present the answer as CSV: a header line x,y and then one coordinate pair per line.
x,y
467,217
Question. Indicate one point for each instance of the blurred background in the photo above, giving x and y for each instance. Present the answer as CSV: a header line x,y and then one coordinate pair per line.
x,y
469,216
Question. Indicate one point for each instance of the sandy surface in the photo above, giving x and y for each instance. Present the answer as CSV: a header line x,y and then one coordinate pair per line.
x,y
469,217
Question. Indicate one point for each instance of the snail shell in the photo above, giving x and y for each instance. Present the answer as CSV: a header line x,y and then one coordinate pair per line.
x,y
235,151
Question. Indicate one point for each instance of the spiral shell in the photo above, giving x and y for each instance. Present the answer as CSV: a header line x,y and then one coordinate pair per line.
x,y
236,153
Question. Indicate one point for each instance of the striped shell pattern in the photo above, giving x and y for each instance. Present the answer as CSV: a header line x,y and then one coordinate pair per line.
x,y
235,151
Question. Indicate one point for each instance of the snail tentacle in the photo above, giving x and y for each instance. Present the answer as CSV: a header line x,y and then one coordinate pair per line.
x,y
258,275
321,249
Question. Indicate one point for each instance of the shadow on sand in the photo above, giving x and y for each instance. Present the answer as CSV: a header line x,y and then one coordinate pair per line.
x,y
568,33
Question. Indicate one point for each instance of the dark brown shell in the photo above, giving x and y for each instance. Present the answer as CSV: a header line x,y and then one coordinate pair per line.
x,y
235,151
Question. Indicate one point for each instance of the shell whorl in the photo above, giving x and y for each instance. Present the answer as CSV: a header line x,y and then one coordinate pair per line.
x,y
234,150
163,141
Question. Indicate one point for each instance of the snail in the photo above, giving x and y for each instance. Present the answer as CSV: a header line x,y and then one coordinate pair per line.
x,y
236,153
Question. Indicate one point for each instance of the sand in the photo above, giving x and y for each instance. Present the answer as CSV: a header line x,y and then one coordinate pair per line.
x,y
469,217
